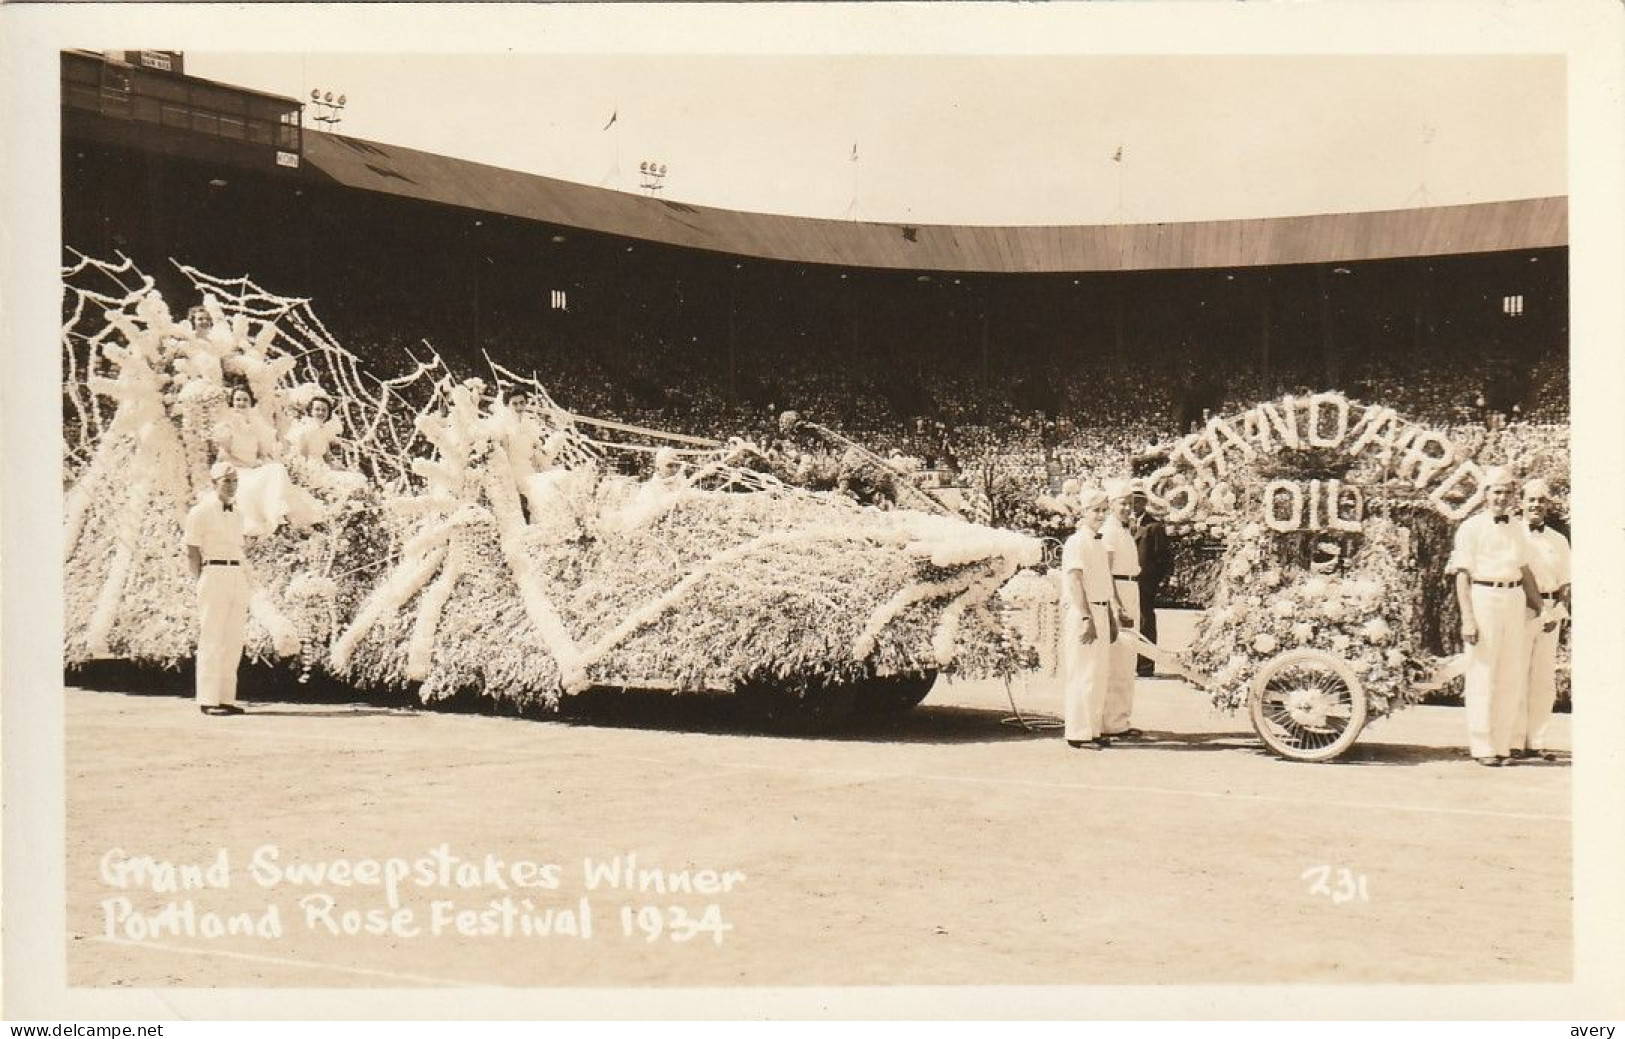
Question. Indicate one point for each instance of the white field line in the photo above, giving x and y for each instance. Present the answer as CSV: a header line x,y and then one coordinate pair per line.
x,y
283,961
930,777
1119,788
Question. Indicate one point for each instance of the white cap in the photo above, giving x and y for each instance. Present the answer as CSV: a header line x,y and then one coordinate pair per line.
x,y
1091,497
1537,488
1498,476
1118,490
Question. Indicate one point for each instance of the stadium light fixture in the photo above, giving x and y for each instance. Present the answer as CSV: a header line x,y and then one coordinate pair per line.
x,y
654,174
328,107
1341,270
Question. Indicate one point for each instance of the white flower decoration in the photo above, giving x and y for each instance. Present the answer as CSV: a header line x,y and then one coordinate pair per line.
x,y
1395,658
1303,631
1265,643
1332,610
1376,630
1341,643
1272,578
1285,608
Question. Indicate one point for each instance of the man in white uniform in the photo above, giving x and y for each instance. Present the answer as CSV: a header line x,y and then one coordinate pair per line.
x,y
1549,563
214,553
1497,596
1088,623
1124,556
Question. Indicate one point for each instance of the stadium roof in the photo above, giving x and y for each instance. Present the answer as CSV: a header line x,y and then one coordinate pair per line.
x,y
1431,231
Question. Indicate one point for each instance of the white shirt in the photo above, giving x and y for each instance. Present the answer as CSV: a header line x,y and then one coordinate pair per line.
x,y
1490,551
1086,551
1125,555
213,531
1548,559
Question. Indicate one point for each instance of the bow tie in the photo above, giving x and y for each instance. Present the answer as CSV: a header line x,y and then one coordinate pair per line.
x,y
1536,528
1099,536
226,507
1502,519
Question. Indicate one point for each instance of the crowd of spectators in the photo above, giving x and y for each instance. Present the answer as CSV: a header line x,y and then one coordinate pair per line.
x,y
951,420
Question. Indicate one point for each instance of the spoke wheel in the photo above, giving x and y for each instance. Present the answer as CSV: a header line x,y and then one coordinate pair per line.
x,y
1307,705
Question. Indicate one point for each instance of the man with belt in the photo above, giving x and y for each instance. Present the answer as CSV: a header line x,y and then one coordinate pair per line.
x,y
1549,564
214,554
1497,595
1088,624
1124,557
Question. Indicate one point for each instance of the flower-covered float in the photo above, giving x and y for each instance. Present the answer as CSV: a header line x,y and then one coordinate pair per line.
x,y
457,536
1331,604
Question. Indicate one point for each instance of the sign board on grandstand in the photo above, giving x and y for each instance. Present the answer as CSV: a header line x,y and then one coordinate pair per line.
x,y
161,61
288,159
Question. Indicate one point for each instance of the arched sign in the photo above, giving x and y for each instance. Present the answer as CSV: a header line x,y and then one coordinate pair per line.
x,y
1201,464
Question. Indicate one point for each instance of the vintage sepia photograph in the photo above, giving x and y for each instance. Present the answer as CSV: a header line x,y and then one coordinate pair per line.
x,y
824,514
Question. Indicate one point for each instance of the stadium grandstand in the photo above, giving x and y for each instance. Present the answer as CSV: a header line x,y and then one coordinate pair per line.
x,y
1037,351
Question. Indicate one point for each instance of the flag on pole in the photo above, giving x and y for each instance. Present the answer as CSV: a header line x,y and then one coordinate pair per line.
x,y
1117,156
612,117
854,151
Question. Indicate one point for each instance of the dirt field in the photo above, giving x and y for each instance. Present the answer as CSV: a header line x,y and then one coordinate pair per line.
x,y
939,847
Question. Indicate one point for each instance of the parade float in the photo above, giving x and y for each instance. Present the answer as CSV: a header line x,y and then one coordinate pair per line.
x,y
457,540
1331,605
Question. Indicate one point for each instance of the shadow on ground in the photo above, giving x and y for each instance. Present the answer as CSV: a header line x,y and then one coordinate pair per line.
x,y
714,713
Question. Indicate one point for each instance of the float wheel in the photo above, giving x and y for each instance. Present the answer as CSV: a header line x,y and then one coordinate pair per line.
x,y
1307,705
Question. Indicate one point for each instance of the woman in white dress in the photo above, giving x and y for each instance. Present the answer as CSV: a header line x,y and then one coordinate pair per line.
x,y
310,447
265,493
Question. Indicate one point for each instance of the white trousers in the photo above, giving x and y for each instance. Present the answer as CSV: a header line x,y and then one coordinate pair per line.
x,y
1529,730
1125,658
1085,671
222,598
1497,670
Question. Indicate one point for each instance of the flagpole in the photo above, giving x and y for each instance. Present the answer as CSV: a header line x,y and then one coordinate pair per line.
x,y
615,169
852,208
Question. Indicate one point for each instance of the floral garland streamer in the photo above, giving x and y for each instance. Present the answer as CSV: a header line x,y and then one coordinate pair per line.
x,y
107,602
284,635
550,629
420,649
864,644
386,601
945,643
652,611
